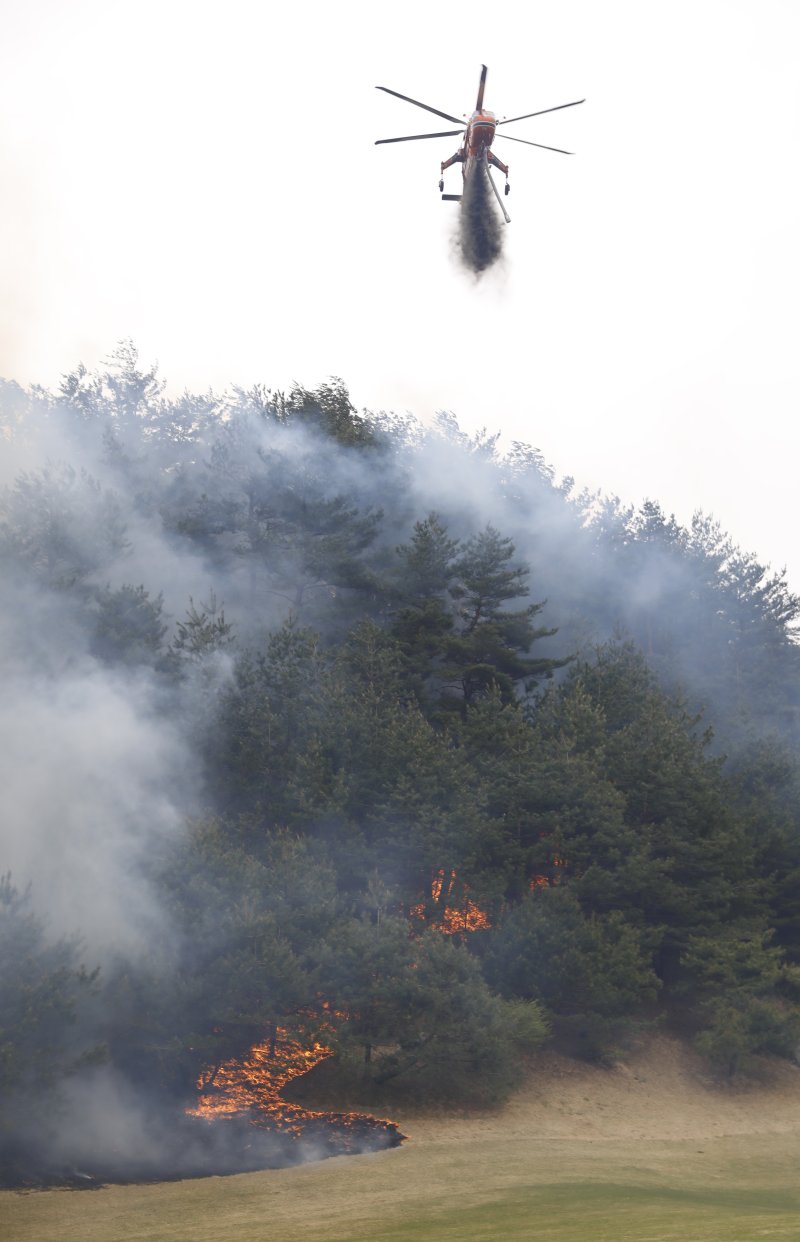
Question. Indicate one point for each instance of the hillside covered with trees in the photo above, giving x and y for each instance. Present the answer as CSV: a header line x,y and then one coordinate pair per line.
x,y
323,722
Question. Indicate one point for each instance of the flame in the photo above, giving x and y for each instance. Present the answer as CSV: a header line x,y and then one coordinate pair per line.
x,y
546,881
252,1085
466,917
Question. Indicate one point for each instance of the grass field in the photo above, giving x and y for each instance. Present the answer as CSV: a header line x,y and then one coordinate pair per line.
x,y
620,1157
737,1190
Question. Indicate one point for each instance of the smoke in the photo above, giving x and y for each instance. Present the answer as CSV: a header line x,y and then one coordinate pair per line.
x,y
112,1130
480,230
97,759
92,777
94,769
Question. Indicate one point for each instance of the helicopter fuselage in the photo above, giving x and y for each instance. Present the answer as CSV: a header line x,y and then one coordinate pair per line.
x,y
478,139
480,132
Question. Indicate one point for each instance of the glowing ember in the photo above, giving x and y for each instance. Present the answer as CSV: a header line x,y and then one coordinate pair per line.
x,y
454,919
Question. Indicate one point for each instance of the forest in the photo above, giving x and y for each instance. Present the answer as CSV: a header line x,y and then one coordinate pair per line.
x,y
330,727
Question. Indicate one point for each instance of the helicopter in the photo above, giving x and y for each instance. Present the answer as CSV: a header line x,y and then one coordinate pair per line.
x,y
479,132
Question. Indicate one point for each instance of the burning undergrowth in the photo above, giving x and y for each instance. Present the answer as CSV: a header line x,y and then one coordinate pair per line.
x,y
480,238
251,1088
240,1123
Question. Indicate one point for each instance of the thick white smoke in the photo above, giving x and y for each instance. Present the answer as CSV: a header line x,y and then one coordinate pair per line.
x,y
92,778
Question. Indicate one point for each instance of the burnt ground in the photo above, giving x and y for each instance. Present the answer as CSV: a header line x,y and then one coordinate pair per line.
x,y
195,1147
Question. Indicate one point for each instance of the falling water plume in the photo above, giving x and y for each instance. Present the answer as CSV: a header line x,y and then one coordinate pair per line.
x,y
480,229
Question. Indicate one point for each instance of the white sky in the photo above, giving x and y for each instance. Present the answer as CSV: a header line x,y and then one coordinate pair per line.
x,y
202,178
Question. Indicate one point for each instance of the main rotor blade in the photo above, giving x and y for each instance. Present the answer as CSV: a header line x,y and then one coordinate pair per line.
x,y
427,107
446,133
534,144
557,108
479,104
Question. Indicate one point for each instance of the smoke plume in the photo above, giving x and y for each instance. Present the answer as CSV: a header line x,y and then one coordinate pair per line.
x,y
480,230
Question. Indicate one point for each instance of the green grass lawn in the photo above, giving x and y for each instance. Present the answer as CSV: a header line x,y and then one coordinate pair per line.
x,y
612,1213
453,1185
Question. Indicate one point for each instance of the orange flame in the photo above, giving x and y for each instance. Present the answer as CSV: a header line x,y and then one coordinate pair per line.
x,y
546,881
252,1087
465,917
254,1083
